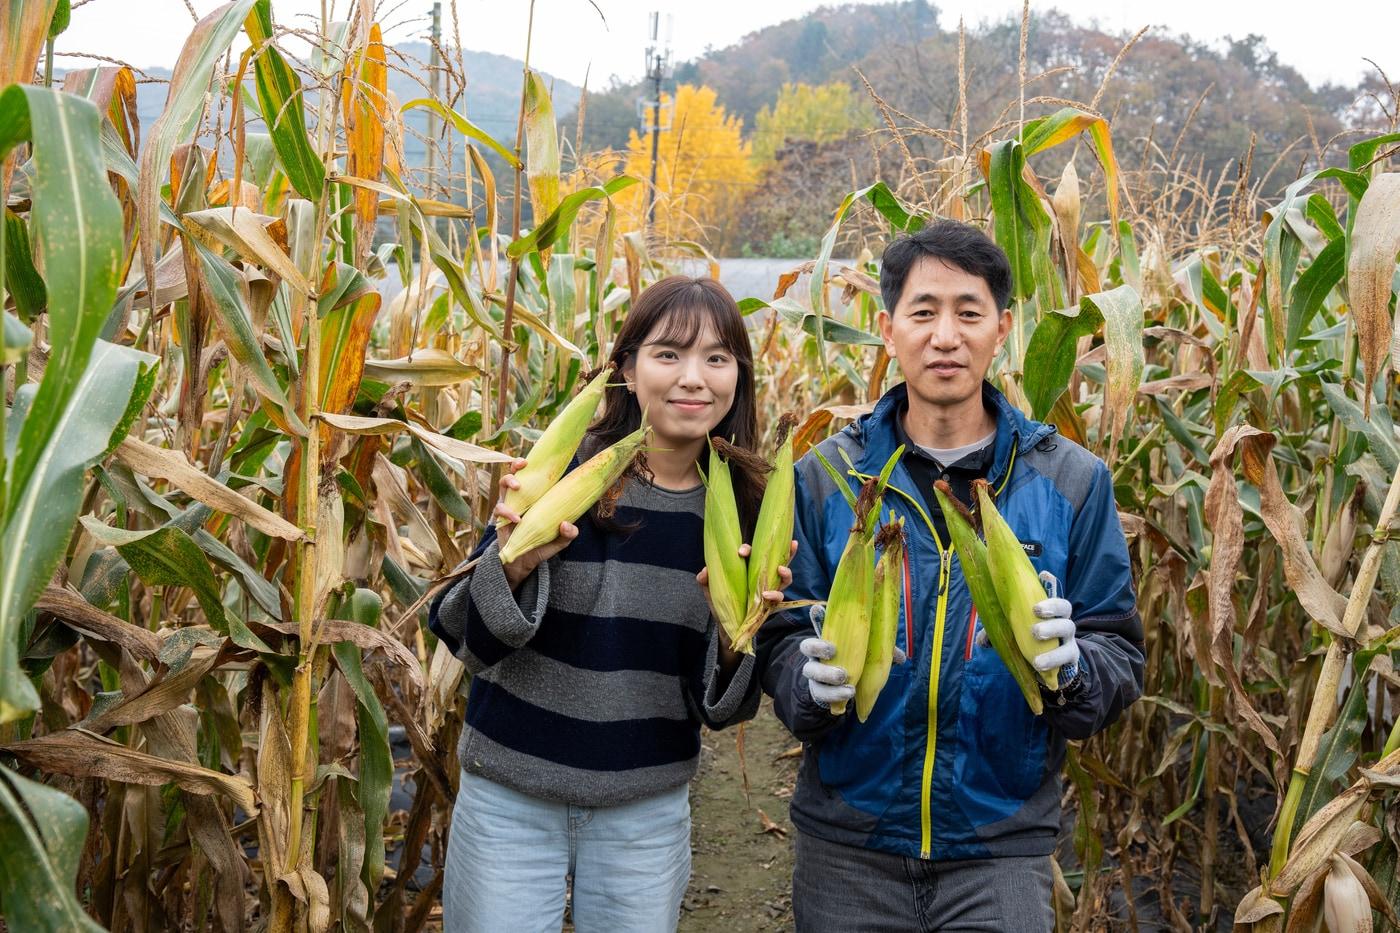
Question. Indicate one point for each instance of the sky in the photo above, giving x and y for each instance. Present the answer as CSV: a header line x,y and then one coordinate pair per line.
x,y
571,40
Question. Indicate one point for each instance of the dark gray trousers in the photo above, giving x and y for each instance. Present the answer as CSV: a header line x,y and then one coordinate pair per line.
x,y
846,889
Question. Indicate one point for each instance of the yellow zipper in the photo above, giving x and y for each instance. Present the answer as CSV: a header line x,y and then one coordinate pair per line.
x,y
945,567
935,668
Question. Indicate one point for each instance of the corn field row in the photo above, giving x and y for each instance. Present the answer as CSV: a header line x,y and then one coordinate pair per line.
x,y
231,472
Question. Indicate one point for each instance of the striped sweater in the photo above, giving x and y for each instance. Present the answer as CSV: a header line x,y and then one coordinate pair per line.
x,y
590,682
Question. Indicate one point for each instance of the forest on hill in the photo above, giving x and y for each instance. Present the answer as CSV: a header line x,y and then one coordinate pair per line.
x,y
1171,99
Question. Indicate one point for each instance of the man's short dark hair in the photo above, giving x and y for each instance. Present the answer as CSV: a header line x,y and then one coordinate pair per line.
x,y
958,244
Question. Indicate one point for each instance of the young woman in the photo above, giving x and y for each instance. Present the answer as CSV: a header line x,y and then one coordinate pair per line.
x,y
594,658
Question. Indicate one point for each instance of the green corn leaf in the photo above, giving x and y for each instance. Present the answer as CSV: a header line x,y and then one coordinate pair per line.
x,y
376,760
22,280
440,485
464,126
1377,429
77,228
1336,752
1312,289
1051,353
281,100
831,330
41,840
37,528
1022,226
167,556
14,340
235,323
817,288
841,483
557,224
1282,249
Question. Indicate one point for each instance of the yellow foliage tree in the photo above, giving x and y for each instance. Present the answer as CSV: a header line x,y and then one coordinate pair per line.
x,y
818,112
704,169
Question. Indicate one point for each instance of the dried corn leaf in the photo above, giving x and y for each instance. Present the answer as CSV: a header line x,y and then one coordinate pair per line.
x,y
80,615
1374,243
1226,520
173,467
85,754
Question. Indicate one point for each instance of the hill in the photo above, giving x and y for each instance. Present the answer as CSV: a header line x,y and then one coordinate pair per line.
x,y
1204,104
910,56
493,93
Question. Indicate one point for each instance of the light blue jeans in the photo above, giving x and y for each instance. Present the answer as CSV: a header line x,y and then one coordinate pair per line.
x,y
509,856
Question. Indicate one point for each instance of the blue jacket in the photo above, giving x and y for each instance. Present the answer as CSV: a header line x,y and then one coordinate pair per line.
x,y
951,763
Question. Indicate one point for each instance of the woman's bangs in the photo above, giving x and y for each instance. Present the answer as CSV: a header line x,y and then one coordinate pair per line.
x,y
680,326
683,322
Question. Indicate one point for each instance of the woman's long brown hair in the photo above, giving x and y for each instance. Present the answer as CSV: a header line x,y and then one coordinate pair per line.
x,y
674,310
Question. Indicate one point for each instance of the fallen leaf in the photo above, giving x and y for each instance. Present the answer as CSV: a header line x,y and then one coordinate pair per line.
x,y
770,827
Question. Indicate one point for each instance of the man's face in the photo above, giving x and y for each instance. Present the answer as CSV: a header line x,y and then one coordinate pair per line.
x,y
944,332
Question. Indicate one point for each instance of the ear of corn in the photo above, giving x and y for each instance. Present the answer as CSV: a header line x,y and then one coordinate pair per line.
x,y
884,618
1017,584
723,536
1345,905
772,537
847,622
972,554
568,499
852,597
551,454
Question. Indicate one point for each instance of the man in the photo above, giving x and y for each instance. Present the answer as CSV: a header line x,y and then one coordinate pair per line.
x,y
940,811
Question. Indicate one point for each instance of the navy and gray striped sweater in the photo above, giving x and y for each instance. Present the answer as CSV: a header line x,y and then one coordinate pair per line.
x,y
591,681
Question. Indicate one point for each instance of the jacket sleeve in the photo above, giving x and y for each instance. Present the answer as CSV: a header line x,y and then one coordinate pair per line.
x,y
776,646
479,619
1107,626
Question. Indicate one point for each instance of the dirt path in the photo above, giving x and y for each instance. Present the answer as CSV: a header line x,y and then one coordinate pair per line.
x,y
741,877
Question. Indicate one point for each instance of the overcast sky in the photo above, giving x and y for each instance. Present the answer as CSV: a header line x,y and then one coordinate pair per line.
x,y
571,38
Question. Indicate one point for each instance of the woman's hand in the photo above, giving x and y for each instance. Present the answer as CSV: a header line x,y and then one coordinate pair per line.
x,y
524,565
774,597
771,597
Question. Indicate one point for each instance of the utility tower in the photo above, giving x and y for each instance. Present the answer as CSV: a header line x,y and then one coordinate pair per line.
x,y
652,112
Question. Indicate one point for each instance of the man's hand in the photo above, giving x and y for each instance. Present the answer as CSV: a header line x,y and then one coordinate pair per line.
x,y
827,682
1055,625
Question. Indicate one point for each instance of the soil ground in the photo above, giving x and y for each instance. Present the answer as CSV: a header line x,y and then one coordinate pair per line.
x,y
741,873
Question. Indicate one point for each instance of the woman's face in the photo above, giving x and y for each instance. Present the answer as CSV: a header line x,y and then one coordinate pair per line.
x,y
685,391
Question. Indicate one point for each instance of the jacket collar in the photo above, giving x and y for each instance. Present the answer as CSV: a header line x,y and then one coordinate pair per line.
x,y
881,433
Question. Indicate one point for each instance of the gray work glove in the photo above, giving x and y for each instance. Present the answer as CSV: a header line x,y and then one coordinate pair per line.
x,y
1055,625
827,682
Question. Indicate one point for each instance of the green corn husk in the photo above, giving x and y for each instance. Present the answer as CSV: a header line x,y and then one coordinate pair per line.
x,y
568,499
884,619
550,456
723,536
972,554
1018,585
772,538
852,598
